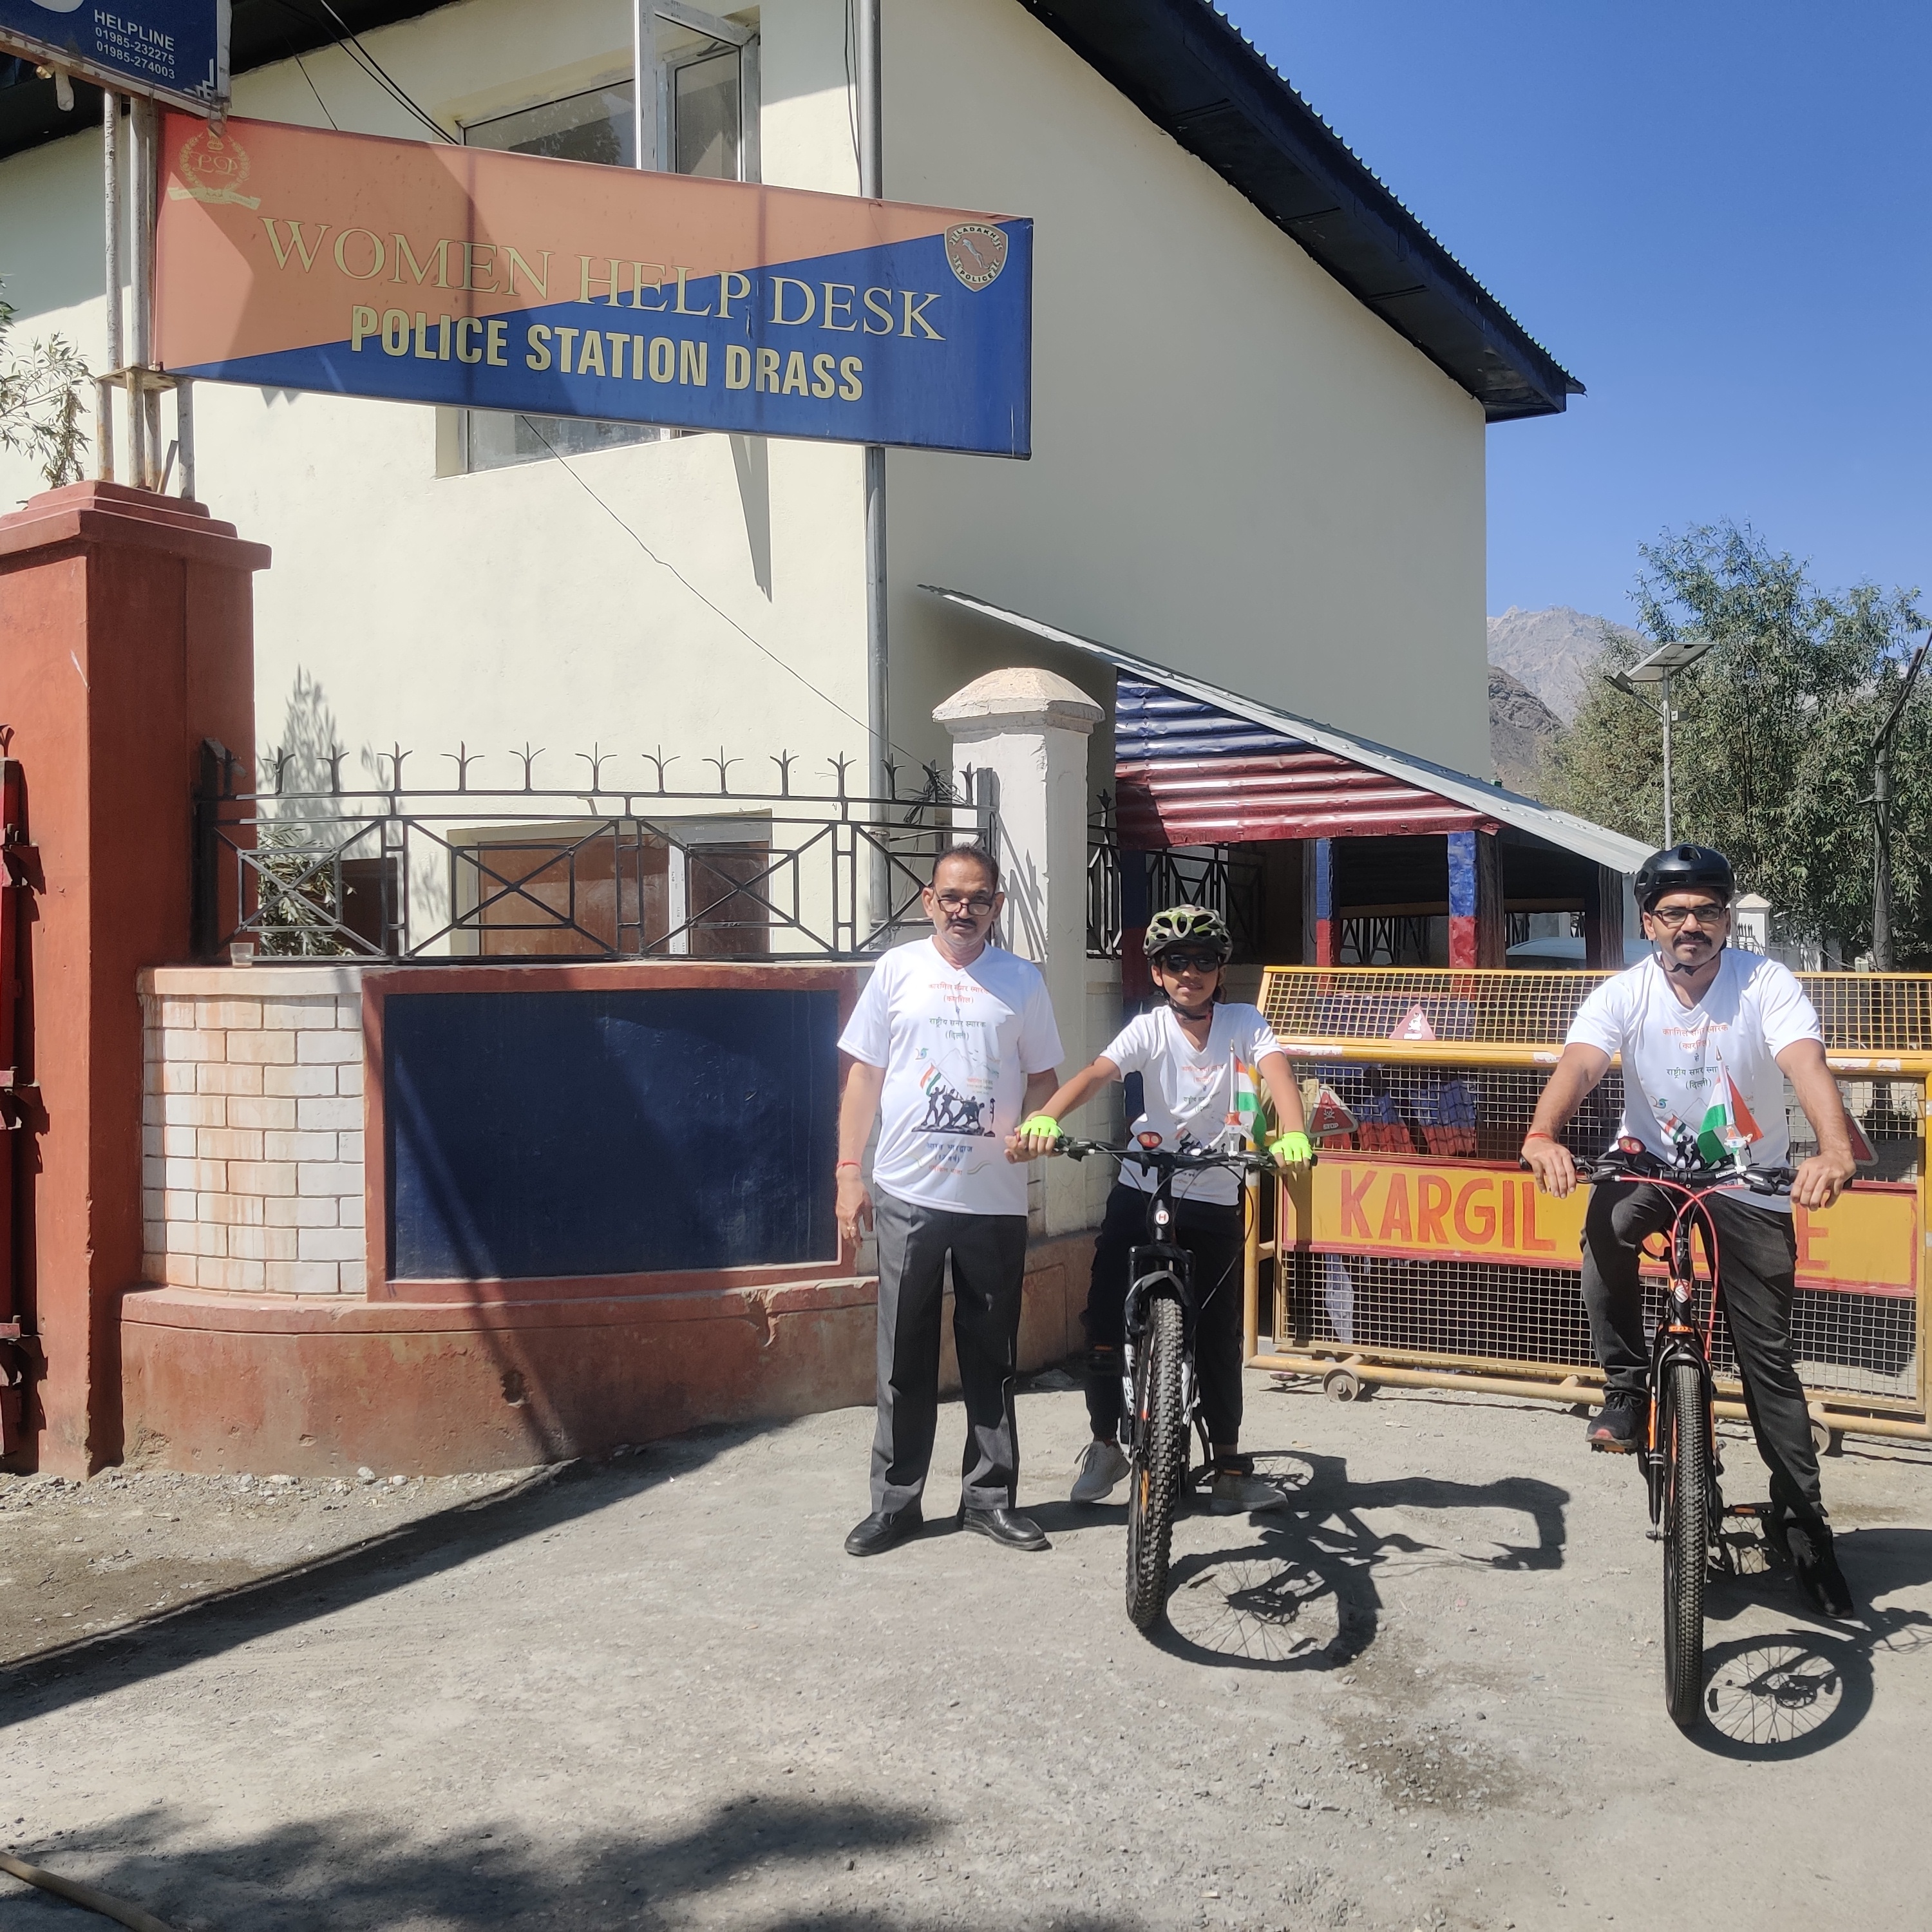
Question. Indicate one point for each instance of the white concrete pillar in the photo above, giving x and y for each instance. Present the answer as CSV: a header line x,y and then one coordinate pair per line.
x,y
1028,729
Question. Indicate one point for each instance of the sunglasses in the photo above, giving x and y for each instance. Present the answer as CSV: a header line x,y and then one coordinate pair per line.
x,y
1671,917
1183,959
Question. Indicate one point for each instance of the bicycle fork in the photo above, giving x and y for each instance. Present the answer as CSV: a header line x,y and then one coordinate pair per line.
x,y
1678,1339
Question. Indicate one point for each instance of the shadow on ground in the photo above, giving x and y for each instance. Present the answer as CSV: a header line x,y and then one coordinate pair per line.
x,y
762,1865
1800,1690
1298,1592
283,1599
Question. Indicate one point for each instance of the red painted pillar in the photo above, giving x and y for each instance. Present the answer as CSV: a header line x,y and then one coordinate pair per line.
x,y
126,638
1478,927
1323,923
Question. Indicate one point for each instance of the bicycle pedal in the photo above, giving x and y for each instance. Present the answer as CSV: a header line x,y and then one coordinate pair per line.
x,y
1746,1509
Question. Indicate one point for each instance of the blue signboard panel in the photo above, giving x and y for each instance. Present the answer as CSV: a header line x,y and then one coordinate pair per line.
x,y
548,1133
176,50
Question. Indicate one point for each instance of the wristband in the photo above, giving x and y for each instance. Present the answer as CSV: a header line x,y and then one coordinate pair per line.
x,y
1533,1136
838,1164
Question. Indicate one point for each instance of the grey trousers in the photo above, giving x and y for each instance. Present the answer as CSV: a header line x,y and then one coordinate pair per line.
x,y
988,1254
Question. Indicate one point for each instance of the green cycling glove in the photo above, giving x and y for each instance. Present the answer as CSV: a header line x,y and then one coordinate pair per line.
x,y
1292,1150
1041,1124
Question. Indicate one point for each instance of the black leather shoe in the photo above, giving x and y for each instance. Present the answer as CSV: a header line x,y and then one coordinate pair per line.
x,y
879,1532
1817,1564
1005,1525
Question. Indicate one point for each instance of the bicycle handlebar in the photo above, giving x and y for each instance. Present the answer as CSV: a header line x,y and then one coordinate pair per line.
x,y
1636,1168
1176,1160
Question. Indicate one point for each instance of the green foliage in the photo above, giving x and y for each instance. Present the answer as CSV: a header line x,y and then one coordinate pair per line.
x,y
1772,755
39,403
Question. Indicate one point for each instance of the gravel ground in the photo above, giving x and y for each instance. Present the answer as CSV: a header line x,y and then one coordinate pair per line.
x,y
657,1693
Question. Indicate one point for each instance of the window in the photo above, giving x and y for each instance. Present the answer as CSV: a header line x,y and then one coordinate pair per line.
x,y
699,116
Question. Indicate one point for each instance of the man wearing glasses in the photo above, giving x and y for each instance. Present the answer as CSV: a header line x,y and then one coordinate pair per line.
x,y
951,1044
1706,1032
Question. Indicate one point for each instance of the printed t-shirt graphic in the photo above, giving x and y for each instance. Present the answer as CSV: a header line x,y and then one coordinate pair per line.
x,y
957,1043
1711,1068
1186,1094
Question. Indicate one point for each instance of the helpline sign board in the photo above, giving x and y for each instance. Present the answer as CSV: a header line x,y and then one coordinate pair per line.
x,y
176,50
300,258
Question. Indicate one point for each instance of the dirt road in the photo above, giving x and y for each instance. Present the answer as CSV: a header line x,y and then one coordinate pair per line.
x,y
659,1694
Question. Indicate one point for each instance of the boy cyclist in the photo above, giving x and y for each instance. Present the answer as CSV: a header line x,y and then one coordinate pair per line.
x,y
1185,1052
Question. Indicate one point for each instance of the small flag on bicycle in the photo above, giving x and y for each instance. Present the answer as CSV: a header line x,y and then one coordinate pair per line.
x,y
1244,1098
1728,1127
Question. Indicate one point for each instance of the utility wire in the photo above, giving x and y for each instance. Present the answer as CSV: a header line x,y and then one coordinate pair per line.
x,y
370,66
765,650
317,92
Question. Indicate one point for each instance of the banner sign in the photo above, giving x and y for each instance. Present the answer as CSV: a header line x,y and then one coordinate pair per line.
x,y
1866,1243
300,258
176,50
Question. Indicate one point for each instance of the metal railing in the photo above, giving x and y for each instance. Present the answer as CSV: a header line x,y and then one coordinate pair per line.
x,y
390,872
1221,877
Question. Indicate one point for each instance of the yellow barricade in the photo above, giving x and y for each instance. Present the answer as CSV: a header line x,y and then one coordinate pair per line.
x,y
1417,1253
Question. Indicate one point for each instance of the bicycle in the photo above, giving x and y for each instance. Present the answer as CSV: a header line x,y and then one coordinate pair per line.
x,y
1680,1458
1161,1406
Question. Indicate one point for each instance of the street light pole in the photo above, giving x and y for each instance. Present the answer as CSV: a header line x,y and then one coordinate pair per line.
x,y
1659,668
1883,949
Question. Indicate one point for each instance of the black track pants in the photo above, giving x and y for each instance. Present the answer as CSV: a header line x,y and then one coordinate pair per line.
x,y
1214,1235
1757,1260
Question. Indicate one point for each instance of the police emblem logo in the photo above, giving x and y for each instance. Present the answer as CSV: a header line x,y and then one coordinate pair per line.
x,y
976,252
212,167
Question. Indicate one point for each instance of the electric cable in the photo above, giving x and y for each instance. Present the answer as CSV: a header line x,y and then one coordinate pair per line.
x,y
346,40
762,649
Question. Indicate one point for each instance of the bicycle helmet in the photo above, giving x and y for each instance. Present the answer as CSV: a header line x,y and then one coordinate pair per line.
x,y
1681,868
1188,925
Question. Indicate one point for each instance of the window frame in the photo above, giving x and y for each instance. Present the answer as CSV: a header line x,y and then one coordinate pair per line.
x,y
653,106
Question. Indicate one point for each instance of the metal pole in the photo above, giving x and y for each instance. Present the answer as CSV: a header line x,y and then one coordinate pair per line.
x,y
141,262
1669,822
1881,947
871,186
103,391
184,434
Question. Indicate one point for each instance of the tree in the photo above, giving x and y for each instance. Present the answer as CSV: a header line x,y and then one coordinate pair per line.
x,y
1771,761
39,403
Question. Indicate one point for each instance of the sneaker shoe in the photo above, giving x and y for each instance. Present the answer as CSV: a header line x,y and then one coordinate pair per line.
x,y
1234,1492
1817,1564
1621,1424
1101,1465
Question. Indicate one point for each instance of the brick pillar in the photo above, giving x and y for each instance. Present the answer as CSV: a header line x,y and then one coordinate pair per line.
x,y
126,638
1478,927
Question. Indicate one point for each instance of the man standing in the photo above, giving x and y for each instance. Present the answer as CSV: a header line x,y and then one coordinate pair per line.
x,y
1700,1027
952,1044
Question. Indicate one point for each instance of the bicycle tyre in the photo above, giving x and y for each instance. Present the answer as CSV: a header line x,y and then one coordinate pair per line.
x,y
1160,1471
1684,1433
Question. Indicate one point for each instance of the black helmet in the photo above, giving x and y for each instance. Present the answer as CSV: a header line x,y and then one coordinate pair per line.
x,y
1680,868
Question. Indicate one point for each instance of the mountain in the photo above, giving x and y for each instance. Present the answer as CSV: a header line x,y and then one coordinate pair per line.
x,y
1553,652
1520,725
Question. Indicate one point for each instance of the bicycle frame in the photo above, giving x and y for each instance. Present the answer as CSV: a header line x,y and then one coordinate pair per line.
x,y
1681,1335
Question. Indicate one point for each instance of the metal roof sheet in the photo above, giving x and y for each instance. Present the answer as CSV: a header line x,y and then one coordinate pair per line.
x,y
1561,829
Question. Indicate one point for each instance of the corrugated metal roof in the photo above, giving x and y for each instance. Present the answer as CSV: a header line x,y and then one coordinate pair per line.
x,y
1190,773
1489,801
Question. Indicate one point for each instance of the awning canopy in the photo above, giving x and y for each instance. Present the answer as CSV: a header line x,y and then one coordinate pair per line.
x,y
1199,764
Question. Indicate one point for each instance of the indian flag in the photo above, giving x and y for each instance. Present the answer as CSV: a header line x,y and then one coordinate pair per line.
x,y
1244,1098
1728,1128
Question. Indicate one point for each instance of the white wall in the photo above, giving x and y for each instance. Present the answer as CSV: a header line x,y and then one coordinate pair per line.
x,y
511,606
1236,468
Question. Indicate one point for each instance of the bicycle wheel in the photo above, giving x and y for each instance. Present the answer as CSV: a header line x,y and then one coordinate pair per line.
x,y
1160,1471
1683,1434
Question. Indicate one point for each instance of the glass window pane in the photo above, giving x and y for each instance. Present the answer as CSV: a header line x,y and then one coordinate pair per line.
x,y
496,440
705,116
595,126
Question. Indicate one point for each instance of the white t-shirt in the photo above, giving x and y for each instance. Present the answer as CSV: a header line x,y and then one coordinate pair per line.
x,y
958,1043
1673,1054
1185,1090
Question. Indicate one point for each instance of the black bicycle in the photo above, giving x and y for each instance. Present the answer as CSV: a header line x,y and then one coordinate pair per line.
x,y
1162,1402
1681,1461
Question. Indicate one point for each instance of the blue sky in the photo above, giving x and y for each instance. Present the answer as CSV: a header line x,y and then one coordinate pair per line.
x,y
1714,213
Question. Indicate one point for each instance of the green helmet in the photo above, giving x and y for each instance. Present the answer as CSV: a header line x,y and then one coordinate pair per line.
x,y
1188,925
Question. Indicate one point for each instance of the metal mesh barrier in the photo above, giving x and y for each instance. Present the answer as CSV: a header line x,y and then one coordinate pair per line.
x,y
1413,1122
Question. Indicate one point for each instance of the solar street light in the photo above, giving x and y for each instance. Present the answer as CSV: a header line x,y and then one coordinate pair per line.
x,y
1662,665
